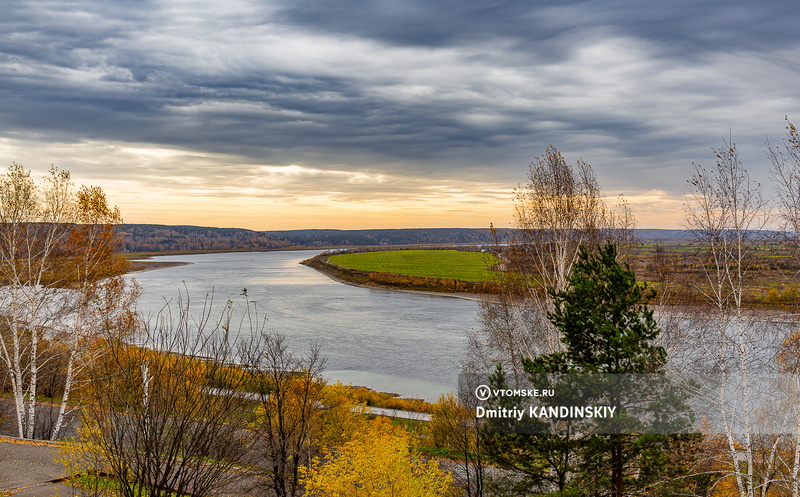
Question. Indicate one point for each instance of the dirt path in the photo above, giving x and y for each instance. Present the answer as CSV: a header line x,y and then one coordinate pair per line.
x,y
29,468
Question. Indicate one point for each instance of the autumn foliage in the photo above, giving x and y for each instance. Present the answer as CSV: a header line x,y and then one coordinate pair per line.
x,y
385,400
376,462
61,292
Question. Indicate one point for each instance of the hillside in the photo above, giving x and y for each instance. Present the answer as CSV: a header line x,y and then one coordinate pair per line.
x,y
164,238
161,238
413,236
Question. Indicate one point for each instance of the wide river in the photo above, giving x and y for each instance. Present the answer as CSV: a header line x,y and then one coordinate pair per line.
x,y
391,341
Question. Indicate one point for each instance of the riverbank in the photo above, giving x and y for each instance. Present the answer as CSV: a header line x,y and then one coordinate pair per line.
x,y
773,315
682,296
415,285
141,266
465,296
138,261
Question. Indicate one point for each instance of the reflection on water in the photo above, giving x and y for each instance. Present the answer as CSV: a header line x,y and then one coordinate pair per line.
x,y
393,341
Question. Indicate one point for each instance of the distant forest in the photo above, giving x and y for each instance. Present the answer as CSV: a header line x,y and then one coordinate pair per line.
x,y
162,238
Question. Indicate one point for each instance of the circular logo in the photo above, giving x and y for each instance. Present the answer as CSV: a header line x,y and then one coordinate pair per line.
x,y
483,392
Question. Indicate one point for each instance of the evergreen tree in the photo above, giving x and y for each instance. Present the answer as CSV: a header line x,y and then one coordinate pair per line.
x,y
544,460
608,330
609,333
604,321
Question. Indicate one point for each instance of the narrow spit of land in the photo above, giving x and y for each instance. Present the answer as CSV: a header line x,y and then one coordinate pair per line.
x,y
451,273
458,295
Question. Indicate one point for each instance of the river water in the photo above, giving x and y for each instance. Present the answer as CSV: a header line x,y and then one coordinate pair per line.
x,y
391,341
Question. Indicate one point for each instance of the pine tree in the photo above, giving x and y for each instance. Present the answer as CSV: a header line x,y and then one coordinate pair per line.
x,y
604,321
608,334
608,330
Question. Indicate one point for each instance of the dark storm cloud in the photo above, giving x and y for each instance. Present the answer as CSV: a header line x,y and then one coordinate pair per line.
x,y
552,27
412,87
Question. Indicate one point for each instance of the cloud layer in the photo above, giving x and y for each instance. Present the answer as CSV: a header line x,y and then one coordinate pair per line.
x,y
388,104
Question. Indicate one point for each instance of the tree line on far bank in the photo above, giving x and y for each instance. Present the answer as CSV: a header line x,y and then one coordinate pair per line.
x,y
162,238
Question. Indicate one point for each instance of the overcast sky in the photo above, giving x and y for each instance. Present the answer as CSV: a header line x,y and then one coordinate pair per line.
x,y
280,114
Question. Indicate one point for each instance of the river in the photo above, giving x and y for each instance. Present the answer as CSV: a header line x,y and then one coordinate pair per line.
x,y
399,342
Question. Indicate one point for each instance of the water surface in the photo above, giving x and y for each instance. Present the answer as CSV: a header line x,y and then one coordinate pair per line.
x,y
392,341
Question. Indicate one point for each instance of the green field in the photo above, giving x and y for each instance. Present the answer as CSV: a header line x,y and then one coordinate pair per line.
x,y
445,264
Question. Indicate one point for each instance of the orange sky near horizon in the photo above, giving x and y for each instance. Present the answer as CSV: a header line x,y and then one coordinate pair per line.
x,y
156,185
651,209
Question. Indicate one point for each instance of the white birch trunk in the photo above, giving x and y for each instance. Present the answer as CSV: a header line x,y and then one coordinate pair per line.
x,y
62,410
33,381
796,462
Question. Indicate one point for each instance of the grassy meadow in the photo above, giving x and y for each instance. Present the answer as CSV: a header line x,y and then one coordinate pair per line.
x,y
444,264
674,269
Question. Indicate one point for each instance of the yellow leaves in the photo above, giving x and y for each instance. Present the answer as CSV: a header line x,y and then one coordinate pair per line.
x,y
52,234
387,400
85,453
93,207
789,355
341,418
292,394
452,425
93,239
139,373
376,462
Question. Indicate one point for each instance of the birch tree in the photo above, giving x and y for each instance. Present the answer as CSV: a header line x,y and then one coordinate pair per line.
x,y
57,265
785,172
725,210
558,209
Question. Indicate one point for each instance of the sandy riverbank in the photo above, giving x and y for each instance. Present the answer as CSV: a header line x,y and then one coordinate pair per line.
x,y
140,266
